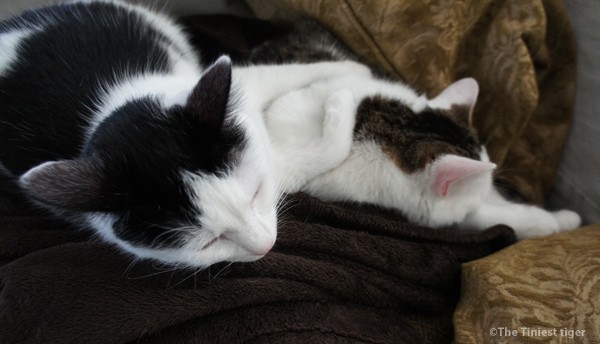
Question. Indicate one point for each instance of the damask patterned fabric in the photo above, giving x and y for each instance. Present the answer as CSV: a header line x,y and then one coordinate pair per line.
x,y
548,283
521,52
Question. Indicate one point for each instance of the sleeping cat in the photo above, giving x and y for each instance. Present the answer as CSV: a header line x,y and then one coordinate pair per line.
x,y
418,155
108,120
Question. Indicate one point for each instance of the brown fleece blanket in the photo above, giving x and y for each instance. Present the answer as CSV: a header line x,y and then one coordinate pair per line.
x,y
521,52
338,274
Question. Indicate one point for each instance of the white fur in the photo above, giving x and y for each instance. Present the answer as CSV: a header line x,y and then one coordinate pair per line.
x,y
9,45
239,209
367,174
263,84
309,145
103,223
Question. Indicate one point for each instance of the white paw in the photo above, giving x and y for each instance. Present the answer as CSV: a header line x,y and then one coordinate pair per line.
x,y
537,223
534,232
340,115
567,219
338,128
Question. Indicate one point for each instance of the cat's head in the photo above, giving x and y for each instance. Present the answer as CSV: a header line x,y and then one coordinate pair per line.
x,y
423,159
190,184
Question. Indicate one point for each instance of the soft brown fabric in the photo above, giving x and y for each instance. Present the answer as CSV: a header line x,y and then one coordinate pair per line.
x,y
521,52
338,274
547,283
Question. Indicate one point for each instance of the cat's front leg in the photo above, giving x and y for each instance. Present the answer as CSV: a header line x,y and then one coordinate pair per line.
x,y
263,84
338,130
306,152
528,221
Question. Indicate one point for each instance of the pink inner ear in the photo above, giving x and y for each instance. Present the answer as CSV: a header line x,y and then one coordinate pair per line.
x,y
451,168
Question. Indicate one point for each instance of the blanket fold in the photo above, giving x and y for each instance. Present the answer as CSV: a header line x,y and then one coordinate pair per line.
x,y
339,273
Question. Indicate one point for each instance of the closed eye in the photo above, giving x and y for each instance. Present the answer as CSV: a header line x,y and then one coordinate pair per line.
x,y
208,244
257,191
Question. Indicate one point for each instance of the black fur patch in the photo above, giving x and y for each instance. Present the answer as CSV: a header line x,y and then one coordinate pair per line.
x,y
132,164
411,139
145,149
48,96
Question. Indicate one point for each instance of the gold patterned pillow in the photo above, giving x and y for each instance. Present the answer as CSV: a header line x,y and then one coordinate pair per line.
x,y
544,290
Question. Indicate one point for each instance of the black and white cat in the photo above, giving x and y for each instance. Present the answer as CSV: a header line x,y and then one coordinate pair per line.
x,y
108,120
405,151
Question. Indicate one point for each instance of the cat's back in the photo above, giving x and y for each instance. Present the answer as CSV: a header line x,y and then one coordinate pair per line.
x,y
58,61
81,39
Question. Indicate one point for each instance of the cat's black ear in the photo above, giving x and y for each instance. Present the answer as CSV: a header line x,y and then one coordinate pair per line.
x,y
210,97
458,100
76,185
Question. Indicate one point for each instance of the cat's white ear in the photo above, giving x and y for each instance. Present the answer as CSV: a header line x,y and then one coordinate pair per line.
x,y
210,97
461,92
450,169
78,184
459,99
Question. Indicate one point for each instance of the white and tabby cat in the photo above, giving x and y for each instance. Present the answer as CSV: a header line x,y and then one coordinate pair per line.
x,y
108,120
405,151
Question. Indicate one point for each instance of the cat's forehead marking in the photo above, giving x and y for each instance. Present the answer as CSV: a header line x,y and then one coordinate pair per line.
x,y
412,140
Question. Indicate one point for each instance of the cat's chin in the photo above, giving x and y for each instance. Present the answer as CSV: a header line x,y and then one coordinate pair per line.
x,y
238,251
194,259
247,259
